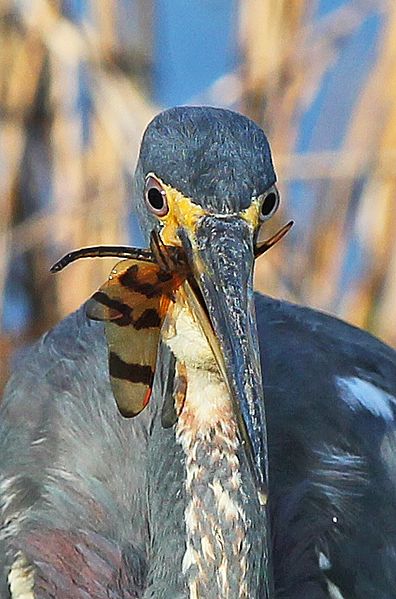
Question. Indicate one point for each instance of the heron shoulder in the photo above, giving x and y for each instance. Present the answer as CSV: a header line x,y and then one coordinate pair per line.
x,y
310,336
330,397
324,379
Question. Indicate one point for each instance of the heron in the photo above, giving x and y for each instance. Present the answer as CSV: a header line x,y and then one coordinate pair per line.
x,y
275,475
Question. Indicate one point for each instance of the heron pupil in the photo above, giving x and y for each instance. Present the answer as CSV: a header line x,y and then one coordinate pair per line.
x,y
268,204
155,198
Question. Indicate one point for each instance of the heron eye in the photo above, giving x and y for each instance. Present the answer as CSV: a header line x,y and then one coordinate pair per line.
x,y
269,203
155,196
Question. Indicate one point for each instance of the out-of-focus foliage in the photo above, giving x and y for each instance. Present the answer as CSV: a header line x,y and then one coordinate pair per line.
x,y
324,88
76,78
72,112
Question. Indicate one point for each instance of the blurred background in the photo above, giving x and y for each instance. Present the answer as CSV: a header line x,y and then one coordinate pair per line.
x,y
80,79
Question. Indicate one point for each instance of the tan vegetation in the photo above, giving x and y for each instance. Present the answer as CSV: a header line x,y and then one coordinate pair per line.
x,y
285,55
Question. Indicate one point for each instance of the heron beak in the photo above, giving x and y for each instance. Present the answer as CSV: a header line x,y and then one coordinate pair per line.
x,y
221,259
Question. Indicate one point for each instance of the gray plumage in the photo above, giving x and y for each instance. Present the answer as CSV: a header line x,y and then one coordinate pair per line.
x,y
95,505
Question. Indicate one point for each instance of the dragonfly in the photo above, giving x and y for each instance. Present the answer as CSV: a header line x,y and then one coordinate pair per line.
x,y
133,304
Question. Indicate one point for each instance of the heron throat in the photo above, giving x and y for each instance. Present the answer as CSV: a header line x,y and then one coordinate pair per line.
x,y
215,561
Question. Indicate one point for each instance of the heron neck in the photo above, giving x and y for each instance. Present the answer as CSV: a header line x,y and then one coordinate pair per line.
x,y
216,558
221,551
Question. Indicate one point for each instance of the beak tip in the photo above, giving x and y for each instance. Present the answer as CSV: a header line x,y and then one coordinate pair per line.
x,y
262,497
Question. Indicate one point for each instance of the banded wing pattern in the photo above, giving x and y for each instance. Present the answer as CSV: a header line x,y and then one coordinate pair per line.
x,y
133,303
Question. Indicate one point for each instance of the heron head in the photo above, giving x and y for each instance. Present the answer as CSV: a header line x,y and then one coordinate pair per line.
x,y
206,182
